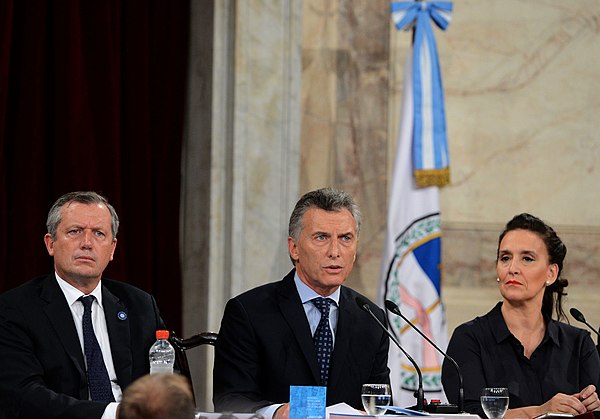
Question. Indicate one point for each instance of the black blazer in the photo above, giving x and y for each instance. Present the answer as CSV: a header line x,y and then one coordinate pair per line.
x,y
265,345
42,368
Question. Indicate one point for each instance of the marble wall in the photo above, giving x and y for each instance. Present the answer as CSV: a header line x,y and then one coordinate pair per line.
x,y
344,132
241,159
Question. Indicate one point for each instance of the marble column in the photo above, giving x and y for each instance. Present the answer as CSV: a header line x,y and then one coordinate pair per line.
x,y
241,159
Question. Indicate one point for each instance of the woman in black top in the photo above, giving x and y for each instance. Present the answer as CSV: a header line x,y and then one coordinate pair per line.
x,y
547,365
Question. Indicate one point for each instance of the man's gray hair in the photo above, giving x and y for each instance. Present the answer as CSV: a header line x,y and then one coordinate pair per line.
x,y
85,197
327,199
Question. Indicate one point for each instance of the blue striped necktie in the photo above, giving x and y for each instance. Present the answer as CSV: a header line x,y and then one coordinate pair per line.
x,y
98,381
323,338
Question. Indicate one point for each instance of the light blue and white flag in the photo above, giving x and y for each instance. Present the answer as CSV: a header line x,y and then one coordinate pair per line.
x,y
430,145
411,266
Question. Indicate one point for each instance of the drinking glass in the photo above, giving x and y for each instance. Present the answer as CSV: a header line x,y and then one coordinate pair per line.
x,y
376,398
494,401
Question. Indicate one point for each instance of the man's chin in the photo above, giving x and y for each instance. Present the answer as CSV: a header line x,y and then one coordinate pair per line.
x,y
332,283
83,276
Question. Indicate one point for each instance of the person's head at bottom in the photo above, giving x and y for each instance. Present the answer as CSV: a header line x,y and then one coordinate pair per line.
x,y
157,396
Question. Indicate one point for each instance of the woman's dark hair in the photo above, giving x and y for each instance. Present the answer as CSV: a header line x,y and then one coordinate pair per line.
x,y
557,251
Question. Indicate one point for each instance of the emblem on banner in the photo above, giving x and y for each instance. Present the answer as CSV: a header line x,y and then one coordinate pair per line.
x,y
415,288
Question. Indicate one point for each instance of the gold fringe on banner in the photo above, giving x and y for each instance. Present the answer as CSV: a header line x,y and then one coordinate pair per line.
x,y
432,177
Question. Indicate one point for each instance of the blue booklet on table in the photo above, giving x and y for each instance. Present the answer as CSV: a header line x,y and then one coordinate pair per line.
x,y
308,402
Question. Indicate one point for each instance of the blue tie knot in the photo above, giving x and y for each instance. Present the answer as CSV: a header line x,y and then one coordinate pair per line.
x,y
87,301
323,304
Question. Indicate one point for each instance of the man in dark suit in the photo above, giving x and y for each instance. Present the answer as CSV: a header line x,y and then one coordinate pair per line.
x,y
271,337
58,357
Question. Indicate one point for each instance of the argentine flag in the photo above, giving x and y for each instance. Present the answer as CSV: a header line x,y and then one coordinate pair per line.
x,y
411,271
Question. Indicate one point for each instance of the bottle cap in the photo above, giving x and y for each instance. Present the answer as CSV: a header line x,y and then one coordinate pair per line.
x,y
162,334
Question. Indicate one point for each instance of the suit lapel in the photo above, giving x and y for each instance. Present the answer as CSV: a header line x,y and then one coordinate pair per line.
x,y
117,323
59,315
294,314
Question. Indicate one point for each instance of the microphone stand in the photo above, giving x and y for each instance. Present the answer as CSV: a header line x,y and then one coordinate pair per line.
x,y
578,315
419,394
391,306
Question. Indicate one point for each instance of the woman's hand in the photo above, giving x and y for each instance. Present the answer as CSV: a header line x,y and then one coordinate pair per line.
x,y
577,404
564,403
589,398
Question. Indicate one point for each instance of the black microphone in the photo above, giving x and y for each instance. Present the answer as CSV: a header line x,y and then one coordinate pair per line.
x,y
391,306
363,304
578,315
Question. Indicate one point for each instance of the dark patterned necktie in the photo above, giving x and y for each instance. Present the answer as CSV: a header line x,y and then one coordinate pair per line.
x,y
98,381
323,338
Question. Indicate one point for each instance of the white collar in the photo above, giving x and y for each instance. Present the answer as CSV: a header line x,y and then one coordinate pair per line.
x,y
72,294
307,293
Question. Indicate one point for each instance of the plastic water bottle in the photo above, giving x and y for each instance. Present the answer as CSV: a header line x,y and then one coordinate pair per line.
x,y
162,354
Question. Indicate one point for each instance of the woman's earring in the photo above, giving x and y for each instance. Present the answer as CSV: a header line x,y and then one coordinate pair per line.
x,y
497,279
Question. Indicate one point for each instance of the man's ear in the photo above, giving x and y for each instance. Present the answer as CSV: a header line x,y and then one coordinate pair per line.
x,y
49,244
293,249
114,246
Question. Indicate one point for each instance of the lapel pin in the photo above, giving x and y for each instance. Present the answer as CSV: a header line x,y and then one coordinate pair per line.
x,y
122,315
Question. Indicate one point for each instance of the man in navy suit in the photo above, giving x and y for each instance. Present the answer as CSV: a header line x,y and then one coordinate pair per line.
x,y
44,369
270,336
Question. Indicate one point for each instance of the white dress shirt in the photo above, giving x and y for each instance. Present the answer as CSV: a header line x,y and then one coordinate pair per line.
x,y
72,295
314,316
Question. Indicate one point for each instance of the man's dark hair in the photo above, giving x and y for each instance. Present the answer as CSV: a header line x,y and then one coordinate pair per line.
x,y
158,396
327,199
86,197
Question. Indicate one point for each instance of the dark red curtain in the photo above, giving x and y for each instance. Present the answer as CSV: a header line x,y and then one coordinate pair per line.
x,y
92,97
